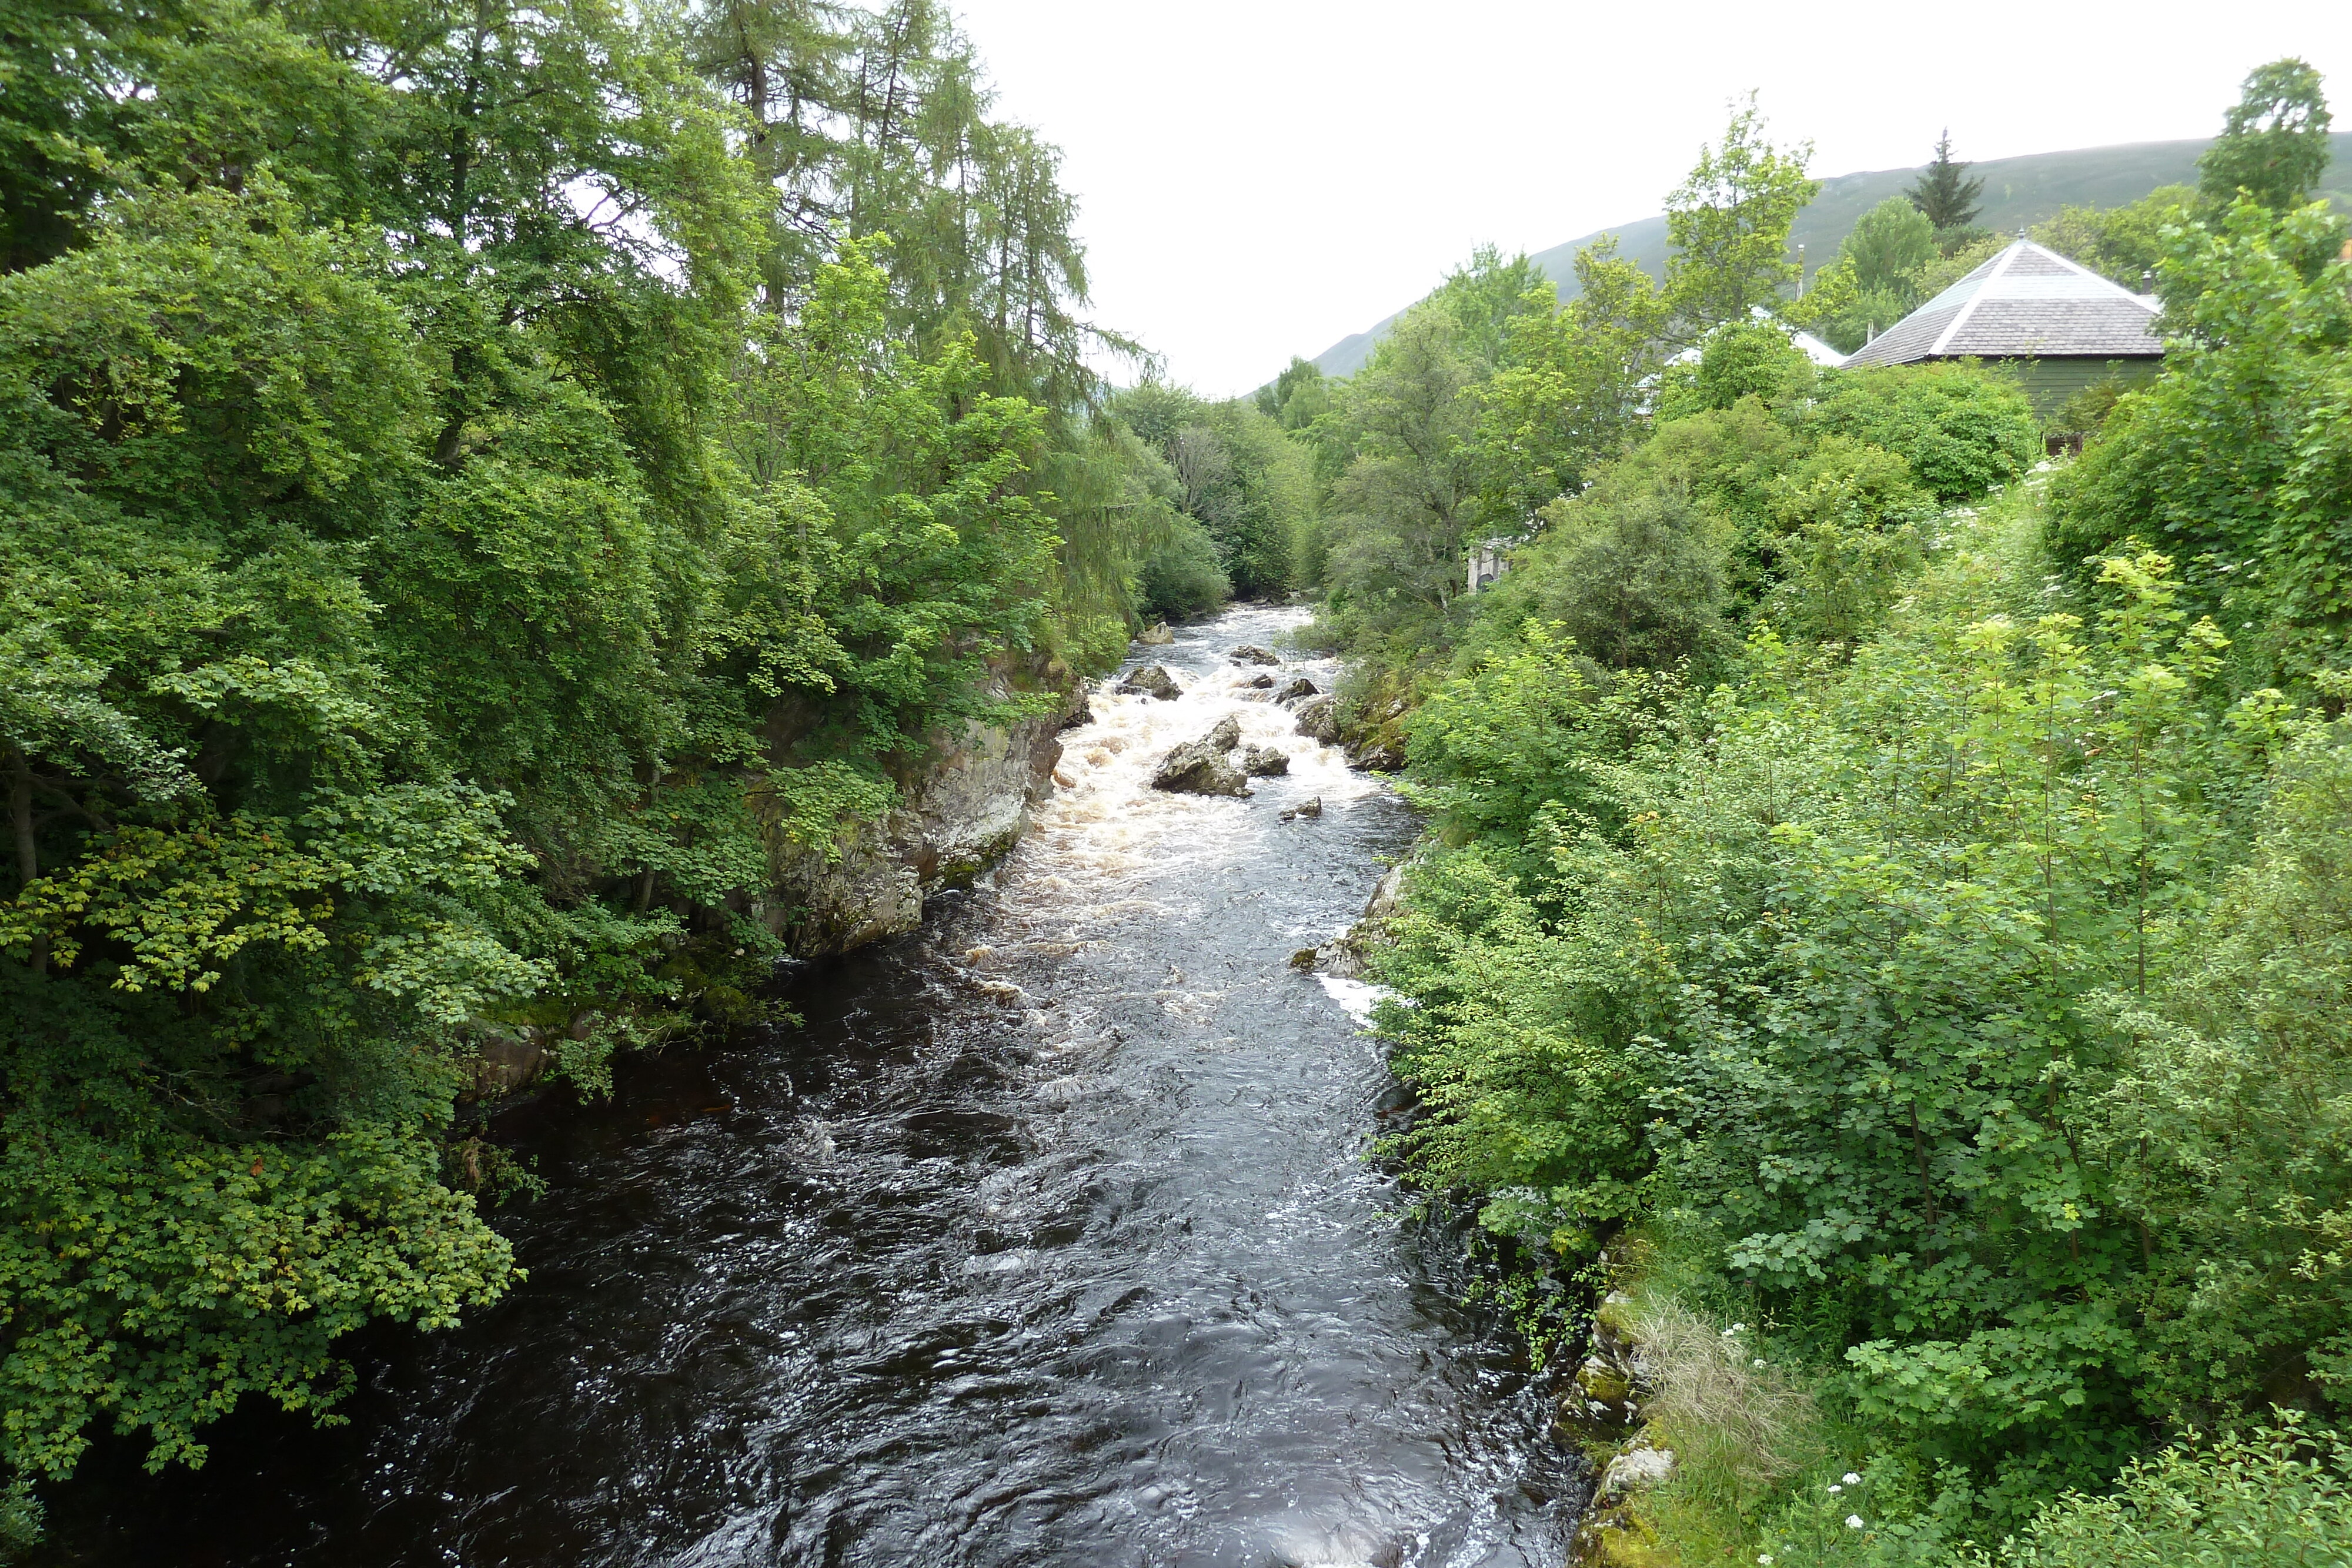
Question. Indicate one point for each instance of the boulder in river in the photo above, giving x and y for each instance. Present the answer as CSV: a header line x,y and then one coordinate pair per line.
x,y
1319,720
1264,762
1155,636
1151,681
1300,686
1251,653
1309,808
1260,682
1206,765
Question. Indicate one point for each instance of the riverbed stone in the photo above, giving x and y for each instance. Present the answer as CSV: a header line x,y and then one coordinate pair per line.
x,y
1319,720
1264,762
1206,765
1157,636
1310,808
1151,681
1251,653
1635,1469
1299,686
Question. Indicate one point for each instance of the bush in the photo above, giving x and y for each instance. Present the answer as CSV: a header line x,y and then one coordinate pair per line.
x,y
1962,431
2278,1493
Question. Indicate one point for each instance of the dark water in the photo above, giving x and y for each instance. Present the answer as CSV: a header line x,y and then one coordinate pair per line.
x,y
1048,1241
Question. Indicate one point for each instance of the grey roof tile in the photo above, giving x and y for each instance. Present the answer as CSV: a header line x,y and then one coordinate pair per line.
x,y
2028,302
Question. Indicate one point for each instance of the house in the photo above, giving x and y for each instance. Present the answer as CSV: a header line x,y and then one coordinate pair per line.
x,y
2056,327
1813,348
1487,562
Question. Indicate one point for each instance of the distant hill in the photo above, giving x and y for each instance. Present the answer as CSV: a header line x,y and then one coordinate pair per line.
x,y
2018,192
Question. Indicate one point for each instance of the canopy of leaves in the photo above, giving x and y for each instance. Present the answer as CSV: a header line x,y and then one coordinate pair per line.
x,y
479,501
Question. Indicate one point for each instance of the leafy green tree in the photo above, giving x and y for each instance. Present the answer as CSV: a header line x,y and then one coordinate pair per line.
x,y
2197,462
1406,502
1729,222
1961,431
2273,142
1236,475
2123,244
1944,195
1569,391
1297,397
465,539
1889,245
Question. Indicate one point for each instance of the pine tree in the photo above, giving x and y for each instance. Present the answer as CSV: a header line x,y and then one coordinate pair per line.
x,y
1944,192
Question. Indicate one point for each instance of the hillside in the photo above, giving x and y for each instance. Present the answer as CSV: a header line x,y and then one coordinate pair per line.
x,y
2018,192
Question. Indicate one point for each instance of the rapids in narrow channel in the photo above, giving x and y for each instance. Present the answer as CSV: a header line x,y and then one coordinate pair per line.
x,y
1050,1239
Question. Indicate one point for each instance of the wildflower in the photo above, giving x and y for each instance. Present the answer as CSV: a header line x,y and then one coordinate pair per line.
x,y
1760,1363
1765,1558
1854,1522
1851,1478
1835,1488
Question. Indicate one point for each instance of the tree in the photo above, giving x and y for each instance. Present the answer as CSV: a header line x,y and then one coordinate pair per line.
x,y
1297,397
2273,142
1569,392
1889,245
1729,222
461,545
2122,244
1406,503
1944,193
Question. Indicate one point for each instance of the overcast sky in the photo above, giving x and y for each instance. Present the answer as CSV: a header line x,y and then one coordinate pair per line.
x,y
1259,178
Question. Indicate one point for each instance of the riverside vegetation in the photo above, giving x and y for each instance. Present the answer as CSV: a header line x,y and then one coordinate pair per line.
x,y
1887,916
484,483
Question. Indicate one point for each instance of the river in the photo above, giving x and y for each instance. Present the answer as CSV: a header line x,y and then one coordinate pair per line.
x,y
1049,1239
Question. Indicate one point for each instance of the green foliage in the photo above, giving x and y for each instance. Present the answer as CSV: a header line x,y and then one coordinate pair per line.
x,y
1235,477
1754,358
1728,221
1944,195
2239,460
2276,1493
1297,397
1566,395
1957,983
2125,244
1890,245
2273,142
1962,433
1405,503
475,508
1631,571
1182,579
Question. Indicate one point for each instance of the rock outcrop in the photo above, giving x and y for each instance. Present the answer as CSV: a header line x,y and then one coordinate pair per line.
x,y
1151,681
1264,762
961,808
1345,956
1300,686
1251,653
1319,720
1206,765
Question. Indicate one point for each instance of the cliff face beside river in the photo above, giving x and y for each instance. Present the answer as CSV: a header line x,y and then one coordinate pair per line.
x,y
961,809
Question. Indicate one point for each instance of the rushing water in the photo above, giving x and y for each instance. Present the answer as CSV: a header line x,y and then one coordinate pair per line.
x,y
1050,1239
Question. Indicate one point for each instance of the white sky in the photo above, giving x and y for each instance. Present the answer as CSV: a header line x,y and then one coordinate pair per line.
x,y
1259,178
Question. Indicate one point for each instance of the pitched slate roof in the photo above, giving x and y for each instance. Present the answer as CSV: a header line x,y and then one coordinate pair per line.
x,y
2026,303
